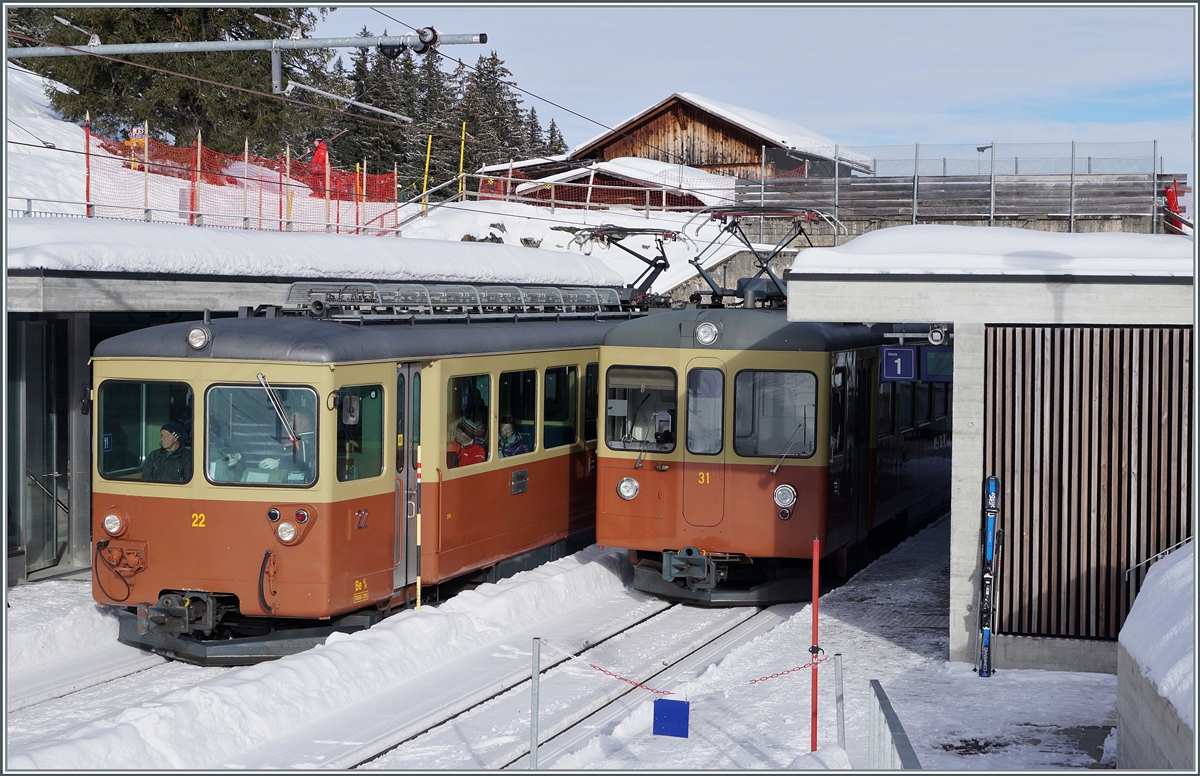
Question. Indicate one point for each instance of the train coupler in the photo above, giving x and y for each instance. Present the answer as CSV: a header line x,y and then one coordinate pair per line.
x,y
691,565
177,613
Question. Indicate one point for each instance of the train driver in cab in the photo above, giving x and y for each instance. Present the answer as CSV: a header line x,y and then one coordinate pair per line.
x,y
172,462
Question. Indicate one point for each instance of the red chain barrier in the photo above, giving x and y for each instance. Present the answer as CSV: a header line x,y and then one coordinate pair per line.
x,y
630,681
789,671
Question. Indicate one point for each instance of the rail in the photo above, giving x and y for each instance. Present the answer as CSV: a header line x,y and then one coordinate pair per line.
x,y
888,747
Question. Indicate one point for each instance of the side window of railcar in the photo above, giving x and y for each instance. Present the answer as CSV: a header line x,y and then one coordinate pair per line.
x,y
886,419
775,414
259,436
467,421
360,441
922,402
416,418
639,412
904,405
939,401
145,431
837,411
705,411
591,401
562,389
517,432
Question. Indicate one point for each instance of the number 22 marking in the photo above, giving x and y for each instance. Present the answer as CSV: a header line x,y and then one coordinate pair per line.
x,y
197,520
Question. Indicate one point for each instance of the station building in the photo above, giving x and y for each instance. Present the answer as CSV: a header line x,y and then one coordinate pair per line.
x,y
1072,383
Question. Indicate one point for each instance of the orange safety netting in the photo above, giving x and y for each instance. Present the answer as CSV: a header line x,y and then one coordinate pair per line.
x,y
144,179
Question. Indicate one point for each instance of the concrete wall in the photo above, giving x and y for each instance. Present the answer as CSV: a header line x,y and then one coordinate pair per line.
x,y
970,307
1150,734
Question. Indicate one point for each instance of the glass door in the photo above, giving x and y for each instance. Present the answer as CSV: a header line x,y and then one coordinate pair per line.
x,y
408,492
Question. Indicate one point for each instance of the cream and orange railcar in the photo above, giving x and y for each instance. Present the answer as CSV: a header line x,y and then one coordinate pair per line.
x,y
732,437
307,448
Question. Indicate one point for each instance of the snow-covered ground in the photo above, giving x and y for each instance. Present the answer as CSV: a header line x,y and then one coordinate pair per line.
x,y
888,623
55,177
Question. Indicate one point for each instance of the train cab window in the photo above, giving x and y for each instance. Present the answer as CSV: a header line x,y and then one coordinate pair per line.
x,y
145,431
885,423
639,412
775,414
591,401
248,441
360,434
904,405
705,411
517,432
467,421
922,403
561,400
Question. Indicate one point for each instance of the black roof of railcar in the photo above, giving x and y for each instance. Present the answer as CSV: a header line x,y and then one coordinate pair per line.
x,y
741,329
321,341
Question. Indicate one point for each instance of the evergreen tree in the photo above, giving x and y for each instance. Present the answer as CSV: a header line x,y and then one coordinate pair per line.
x,y
491,109
120,95
555,144
535,139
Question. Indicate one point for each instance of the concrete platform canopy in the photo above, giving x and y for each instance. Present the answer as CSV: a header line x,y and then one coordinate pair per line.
x,y
1072,382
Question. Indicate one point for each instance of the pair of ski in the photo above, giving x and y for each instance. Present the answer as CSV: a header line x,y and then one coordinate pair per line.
x,y
990,558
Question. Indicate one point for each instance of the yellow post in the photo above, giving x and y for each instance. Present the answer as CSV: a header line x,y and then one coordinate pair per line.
x,y
425,185
462,151
146,164
287,181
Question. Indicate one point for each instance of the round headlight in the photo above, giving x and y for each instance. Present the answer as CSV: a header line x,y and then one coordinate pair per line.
x,y
197,337
628,488
706,333
785,496
287,531
113,524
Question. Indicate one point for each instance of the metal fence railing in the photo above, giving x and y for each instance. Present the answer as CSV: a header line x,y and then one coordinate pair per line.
x,y
889,748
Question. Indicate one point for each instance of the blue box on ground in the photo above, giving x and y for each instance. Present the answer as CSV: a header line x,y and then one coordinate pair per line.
x,y
670,718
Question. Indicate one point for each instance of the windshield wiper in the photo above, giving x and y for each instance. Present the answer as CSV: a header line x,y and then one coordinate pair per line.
x,y
802,424
278,406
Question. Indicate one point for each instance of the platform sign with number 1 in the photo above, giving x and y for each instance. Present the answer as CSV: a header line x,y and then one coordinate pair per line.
x,y
899,364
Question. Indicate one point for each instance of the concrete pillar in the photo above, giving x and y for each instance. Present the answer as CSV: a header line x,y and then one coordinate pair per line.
x,y
965,490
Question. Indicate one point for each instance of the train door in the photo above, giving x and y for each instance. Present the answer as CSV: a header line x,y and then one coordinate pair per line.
x,y
859,446
704,449
408,495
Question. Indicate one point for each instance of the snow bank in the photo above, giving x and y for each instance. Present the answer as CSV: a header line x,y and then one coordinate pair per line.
x,y
46,622
706,187
254,705
998,250
1158,631
826,757
94,245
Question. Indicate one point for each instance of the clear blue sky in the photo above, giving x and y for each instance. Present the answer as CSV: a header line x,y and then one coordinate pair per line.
x,y
862,76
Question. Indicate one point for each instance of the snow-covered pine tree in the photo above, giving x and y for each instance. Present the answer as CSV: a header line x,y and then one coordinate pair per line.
x,y
535,138
555,144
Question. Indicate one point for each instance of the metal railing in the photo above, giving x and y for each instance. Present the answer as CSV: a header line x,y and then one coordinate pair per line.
x,y
888,747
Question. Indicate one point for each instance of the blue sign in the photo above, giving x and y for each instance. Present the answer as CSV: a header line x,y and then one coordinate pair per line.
x,y
107,444
937,364
899,363
670,718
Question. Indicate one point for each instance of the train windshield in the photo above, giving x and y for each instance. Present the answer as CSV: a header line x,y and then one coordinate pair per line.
x,y
145,431
639,411
775,414
248,443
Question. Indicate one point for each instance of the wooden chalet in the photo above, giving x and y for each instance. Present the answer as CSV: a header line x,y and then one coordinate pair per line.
x,y
723,139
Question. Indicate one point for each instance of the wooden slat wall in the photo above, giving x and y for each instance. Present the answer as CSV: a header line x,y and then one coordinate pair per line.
x,y
962,196
1089,430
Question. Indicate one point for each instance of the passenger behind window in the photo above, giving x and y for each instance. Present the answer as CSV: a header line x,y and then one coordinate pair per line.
x,y
469,445
172,462
511,443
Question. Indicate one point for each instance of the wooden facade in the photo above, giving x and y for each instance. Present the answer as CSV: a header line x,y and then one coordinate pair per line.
x,y
1089,430
678,132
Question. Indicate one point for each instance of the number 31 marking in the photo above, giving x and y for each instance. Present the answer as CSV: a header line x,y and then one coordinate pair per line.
x,y
704,478
197,520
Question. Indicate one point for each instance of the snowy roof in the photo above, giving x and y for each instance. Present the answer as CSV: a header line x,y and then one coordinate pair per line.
x,y
982,250
93,245
708,188
555,158
1157,634
777,131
